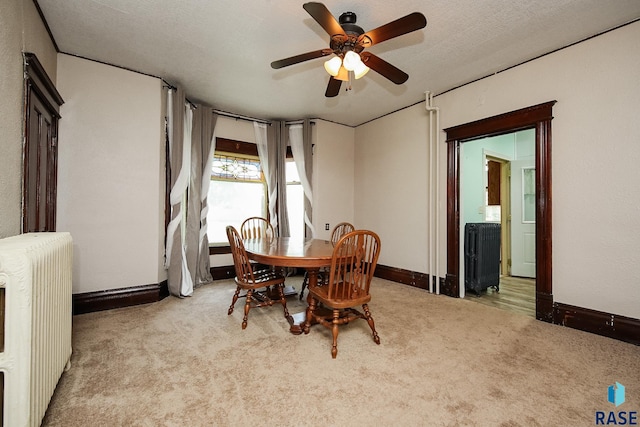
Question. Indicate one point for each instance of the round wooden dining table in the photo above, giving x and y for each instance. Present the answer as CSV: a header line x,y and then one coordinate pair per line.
x,y
311,254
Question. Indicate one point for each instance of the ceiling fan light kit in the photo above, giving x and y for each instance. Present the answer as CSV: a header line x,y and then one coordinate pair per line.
x,y
360,70
333,65
347,42
338,67
351,59
343,75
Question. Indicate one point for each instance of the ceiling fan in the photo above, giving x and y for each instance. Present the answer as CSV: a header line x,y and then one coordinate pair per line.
x,y
348,42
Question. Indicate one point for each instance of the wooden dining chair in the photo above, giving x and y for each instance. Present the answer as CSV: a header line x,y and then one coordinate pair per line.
x,y
256,227
250,280
338,231
353,263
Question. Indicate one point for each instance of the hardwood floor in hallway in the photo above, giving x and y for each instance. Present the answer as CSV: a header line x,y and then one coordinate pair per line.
x,y
516,294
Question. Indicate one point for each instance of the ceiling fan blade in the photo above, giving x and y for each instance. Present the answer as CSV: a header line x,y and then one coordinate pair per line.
x,y
321,14
300,58
333,88
412,22
385,69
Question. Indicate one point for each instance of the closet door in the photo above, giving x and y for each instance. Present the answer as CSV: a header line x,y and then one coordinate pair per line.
x,y
42,103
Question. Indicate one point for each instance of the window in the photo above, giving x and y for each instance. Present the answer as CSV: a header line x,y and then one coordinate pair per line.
x,y
295,200
528,195
237,192
492,208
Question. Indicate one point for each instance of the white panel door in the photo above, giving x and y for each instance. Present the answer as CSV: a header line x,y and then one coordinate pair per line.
x,y
523,218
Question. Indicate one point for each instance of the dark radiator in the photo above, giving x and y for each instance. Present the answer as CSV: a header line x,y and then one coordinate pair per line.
x,y
481,256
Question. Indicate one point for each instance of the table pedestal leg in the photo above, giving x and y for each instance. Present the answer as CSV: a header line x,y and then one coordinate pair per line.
x,y
299,318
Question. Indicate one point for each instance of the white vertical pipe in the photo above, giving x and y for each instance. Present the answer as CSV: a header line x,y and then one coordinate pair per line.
x,y
430,206
435,188
434,192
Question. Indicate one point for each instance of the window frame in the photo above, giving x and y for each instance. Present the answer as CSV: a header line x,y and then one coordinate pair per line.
x,y
241,150
233,147
236,147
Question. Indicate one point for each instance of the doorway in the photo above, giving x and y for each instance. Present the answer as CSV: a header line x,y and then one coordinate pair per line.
x,y
538,117
498,202
496,187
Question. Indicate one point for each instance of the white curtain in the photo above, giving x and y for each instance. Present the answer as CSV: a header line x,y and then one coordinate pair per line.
x,y
268,168
179,120
301,149
186,285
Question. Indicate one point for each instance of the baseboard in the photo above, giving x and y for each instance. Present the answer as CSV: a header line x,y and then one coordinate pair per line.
x,y
225,272
609,325
118,298
126,297
407,277
544,307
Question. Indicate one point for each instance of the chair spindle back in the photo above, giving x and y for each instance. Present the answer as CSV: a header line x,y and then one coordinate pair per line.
x,y
256,228
354,261
340,230
244,272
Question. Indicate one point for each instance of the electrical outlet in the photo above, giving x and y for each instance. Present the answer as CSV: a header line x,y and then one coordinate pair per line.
x,y
326,226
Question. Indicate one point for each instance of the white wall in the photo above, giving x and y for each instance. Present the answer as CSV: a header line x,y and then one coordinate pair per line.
x,y
333,176
21,29
111,174
240,130
595,157
391,186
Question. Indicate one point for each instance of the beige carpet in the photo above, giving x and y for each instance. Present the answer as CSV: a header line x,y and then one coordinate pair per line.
x,y
441,362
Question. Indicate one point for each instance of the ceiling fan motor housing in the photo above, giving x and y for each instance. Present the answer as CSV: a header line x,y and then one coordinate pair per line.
x,y
348,22
341,43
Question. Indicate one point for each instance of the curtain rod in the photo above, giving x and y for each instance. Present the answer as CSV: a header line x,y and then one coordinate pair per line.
x,y
171,87
251,119
237,116
299,122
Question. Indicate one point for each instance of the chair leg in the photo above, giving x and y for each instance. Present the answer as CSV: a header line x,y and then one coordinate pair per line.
x,y
283,300
247,307
233,300
305,283
310,309
334,332
367,315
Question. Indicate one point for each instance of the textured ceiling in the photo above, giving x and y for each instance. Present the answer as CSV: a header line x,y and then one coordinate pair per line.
x,y
220,51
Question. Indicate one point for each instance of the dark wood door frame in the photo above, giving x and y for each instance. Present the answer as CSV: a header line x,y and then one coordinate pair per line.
x,y
40,152
538,117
